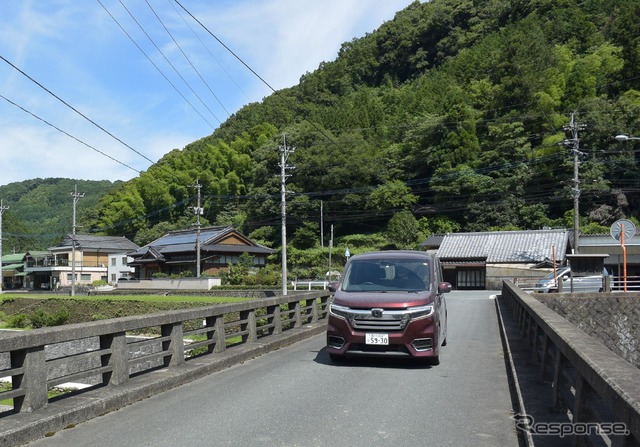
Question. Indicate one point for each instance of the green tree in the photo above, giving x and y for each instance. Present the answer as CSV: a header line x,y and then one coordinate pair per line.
x,y
392,195
403,230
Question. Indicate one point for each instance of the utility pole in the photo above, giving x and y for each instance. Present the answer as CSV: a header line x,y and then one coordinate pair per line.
x,y
199,211
321,225
330,247
2,210
76,196
284,156
573,144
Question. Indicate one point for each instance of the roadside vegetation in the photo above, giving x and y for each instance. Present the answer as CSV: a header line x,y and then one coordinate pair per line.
x,y
25,311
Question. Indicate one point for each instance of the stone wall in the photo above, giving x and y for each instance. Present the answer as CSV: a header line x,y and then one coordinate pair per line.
x,y
613,318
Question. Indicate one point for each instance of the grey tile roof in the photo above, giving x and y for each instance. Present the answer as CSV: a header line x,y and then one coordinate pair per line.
x,y
433,241
113,244
505,246
184,241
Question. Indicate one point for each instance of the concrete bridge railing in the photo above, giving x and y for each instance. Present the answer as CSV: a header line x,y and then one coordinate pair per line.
x,y
104,354
598,387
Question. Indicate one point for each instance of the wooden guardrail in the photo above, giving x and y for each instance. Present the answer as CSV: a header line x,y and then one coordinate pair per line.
x,y
598,388
103,353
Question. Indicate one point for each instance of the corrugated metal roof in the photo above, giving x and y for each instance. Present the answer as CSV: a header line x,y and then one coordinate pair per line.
x,y
13,258
505,246
605,240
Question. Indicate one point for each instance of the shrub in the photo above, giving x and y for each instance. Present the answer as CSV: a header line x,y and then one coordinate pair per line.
x,y
19,321
40,318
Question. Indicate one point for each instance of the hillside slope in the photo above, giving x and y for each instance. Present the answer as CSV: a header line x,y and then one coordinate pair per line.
x,y
450,117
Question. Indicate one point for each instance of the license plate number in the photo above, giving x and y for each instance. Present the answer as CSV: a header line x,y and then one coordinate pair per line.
x,y
377,339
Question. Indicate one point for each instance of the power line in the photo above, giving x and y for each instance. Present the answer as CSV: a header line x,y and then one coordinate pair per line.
x,y
187,58
74,109
68,134
253,71
166,59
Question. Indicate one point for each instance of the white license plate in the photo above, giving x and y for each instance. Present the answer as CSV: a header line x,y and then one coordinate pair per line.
x,y
377,339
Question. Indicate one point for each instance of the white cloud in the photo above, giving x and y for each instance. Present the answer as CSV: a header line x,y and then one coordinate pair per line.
x,y
76,50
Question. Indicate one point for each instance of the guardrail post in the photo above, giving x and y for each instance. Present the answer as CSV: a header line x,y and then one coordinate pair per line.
x,y
297,318
175,345
219,335
249,326
33,380
544,354
557,401
314,310
276,316
117,358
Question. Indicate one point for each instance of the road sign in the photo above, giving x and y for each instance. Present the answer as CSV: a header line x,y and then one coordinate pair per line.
x,y
623,225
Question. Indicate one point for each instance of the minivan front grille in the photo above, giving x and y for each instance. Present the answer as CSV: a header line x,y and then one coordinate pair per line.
x,y
379,320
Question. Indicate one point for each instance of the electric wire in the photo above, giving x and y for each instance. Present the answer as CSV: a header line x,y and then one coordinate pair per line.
x,y
290,105
74,109
68,134
168,62
187,58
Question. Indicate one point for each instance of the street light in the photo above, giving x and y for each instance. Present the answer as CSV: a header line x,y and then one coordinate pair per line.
x,y
625,138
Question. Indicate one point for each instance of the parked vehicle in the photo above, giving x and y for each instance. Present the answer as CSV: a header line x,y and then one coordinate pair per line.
x,y
389,303
590,283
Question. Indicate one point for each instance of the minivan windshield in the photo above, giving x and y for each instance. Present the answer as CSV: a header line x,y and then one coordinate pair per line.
x,y
387,275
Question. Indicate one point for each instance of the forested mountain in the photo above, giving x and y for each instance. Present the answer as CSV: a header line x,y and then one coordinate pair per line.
x,y
40,211
451,117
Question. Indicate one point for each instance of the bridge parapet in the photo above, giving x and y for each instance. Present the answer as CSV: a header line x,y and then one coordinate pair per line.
x,y
106,356
598,387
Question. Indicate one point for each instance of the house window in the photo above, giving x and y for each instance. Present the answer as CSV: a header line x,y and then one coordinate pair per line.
x,y
124,260
470,279
85,277
113,262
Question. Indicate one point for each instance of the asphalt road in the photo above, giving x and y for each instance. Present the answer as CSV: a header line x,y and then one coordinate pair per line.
x,y
297,397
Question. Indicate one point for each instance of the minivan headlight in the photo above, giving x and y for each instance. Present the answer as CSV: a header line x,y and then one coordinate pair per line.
x,y
421,311
339,311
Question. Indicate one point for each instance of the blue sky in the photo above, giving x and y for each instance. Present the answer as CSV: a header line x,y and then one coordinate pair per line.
x,y
77,51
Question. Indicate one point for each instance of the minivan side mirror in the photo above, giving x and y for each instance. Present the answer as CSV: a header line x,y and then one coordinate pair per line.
x,y
333,286
444,287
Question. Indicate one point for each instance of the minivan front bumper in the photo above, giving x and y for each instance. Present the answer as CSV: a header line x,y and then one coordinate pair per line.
x,y
419,339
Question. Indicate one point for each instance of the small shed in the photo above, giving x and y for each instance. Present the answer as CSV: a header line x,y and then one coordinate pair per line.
x,y
586,264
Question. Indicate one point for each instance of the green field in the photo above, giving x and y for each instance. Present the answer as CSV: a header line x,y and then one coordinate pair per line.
x,y
37,310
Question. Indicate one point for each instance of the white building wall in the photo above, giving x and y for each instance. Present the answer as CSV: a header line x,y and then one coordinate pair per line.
x,y
118,267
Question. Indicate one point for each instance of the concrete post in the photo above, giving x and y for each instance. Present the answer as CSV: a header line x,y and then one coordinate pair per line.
x,y
33,380
221,343
276,317
118,358
297,319
175,345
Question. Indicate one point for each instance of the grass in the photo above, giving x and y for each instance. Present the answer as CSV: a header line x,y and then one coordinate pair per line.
x,y
54,392
24,309
149,298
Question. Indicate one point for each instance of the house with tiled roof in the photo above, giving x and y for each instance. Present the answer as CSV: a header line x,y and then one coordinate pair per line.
x,y
176,253
89,261
483,260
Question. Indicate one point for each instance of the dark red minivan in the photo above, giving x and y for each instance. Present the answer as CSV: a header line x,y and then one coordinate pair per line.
x,y
389,303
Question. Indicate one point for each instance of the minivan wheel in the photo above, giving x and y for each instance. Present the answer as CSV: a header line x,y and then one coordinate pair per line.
x,y
434,361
